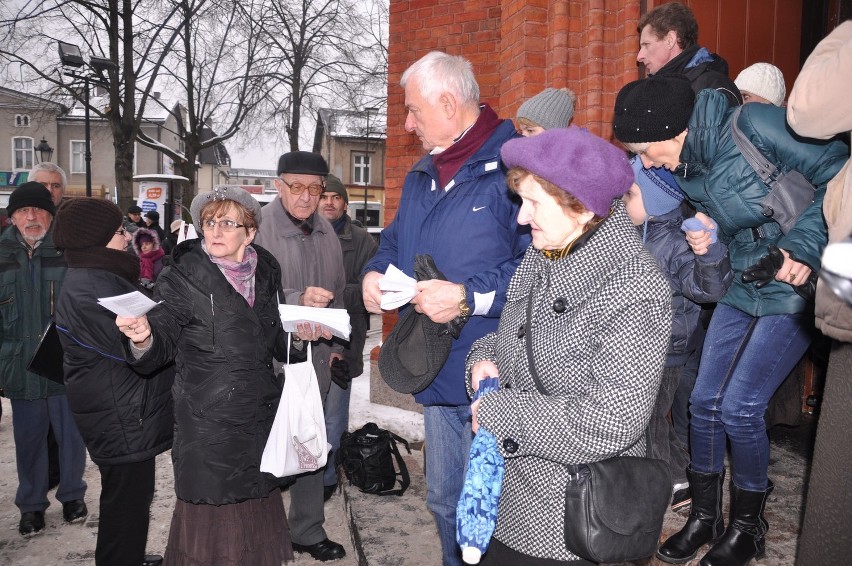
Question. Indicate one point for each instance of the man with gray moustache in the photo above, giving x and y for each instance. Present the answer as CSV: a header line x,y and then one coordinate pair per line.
x,y
31,274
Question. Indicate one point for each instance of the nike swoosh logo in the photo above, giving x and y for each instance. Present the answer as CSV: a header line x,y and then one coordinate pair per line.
x,y
477,209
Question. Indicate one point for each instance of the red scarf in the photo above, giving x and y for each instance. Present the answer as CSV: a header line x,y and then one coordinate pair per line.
x,y
450,160
146,263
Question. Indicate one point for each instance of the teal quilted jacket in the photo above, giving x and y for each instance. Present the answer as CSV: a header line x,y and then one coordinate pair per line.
x,y
719,181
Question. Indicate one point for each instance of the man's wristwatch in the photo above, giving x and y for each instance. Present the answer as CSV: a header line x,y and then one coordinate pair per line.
x,y
464,310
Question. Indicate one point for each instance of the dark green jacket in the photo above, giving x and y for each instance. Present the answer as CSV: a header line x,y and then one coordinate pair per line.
x,y
29,288
719,181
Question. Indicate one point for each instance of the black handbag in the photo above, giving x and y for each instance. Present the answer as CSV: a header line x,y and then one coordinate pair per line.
x,y
47,357
367,457
614,508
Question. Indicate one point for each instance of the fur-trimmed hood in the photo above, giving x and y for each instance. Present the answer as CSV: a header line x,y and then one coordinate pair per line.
x,y
152,233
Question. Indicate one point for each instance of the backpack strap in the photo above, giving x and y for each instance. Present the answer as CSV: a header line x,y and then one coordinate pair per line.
x,y
404,478
765,169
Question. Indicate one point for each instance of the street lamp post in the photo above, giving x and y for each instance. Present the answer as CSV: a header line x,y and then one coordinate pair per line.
x,y
70,56
367,170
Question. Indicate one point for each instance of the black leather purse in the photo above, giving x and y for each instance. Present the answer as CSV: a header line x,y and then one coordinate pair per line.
x,y
614,508
47,357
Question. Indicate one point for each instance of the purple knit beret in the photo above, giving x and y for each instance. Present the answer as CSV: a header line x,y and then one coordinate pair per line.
x,y
580,163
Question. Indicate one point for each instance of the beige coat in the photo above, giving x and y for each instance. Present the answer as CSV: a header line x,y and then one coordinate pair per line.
x,y
819,107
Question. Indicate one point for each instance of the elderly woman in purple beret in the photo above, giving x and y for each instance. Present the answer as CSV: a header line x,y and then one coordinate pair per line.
x,y
597,313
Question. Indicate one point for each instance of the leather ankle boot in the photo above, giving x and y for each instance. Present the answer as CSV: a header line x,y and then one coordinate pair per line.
x,y
744,538
705,523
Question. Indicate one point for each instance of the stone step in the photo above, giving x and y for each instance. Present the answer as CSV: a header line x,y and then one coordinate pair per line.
x,y
394,530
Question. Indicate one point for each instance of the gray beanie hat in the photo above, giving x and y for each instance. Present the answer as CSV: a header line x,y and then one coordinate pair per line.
x,y
551,108
223,192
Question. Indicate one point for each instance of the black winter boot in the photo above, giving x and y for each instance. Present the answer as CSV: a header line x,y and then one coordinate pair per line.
x,y
744,537
705,523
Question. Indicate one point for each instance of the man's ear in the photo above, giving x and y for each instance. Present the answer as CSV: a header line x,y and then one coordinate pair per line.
x,y
671,39
448,104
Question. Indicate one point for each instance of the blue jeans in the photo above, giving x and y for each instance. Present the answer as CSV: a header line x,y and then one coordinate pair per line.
x,y
30,420
745,359
448,439
336,423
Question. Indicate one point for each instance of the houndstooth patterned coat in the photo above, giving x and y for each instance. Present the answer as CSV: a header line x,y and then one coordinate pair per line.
x,y
600,359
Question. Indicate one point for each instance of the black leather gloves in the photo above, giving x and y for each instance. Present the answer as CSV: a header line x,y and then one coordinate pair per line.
x,y
425,269
763,272
340,373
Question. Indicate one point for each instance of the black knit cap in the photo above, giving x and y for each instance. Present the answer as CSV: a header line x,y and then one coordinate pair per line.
x,y
654,109
302,162
85,222
31,194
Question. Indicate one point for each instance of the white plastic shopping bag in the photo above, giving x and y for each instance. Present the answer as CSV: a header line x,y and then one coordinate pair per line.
x,y
297,442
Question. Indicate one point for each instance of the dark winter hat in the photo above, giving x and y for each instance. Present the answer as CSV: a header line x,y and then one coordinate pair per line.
x,y
134,209
658,197
85,222
333,185
302,162
551,108
580,163
223,192
31,194
414,352
153,215
654,109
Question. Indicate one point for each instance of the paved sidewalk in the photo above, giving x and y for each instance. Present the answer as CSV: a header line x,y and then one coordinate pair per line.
x,y
379,531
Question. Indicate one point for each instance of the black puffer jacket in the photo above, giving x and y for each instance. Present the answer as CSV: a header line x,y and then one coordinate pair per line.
x,y
704,70
123,416
225,391
693,278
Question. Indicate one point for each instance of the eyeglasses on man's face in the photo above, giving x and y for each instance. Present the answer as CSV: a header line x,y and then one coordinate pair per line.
x,y
224,225
121,232
53,186
314,189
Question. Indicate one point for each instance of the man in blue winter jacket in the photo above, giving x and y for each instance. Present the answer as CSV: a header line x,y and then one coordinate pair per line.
x,y
454,206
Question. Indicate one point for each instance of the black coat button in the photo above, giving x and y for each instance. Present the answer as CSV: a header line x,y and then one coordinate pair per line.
x,y
510,446
521,332
559,305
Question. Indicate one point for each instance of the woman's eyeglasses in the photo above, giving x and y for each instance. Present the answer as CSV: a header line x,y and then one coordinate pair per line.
x,y
225,225
314,189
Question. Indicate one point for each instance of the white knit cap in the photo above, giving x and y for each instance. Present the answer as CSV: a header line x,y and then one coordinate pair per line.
x,y
764,80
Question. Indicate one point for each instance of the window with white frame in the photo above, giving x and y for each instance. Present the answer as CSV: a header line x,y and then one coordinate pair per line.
x,y
361,168
78,156
22,121
22,150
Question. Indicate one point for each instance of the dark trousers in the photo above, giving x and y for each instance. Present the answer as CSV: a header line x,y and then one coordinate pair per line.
x,y
665,444
126,494
30,421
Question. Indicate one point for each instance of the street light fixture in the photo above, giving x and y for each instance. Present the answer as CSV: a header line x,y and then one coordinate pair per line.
x,y
368,169
70,56
44,151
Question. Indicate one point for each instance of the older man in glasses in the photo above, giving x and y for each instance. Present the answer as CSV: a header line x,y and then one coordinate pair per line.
x,y
306,246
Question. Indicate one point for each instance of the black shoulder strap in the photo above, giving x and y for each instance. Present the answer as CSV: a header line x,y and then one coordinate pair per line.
x,y
528,336
404,479
538,384
765,169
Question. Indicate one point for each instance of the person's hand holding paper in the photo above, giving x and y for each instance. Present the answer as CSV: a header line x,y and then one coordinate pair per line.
x,y
397,288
